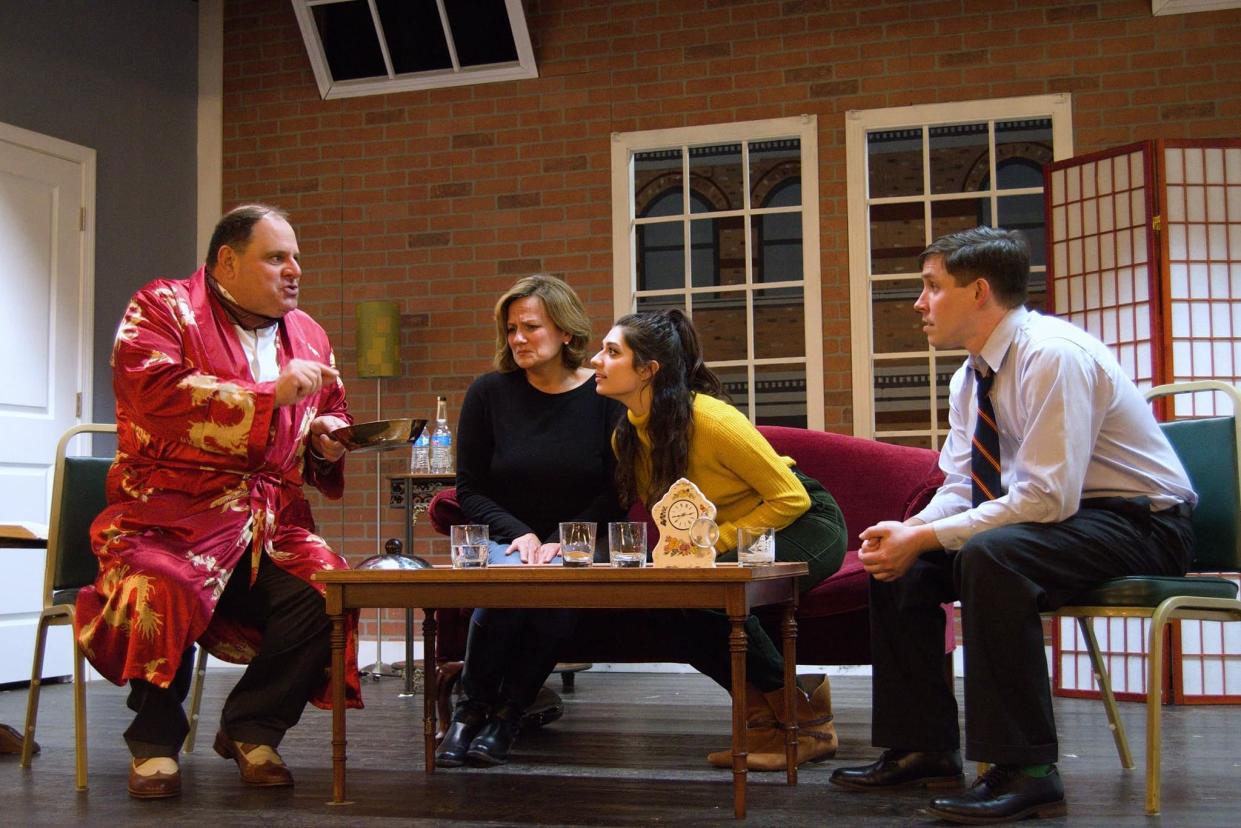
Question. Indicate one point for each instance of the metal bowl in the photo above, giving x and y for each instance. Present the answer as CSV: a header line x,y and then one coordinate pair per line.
x,y
379,435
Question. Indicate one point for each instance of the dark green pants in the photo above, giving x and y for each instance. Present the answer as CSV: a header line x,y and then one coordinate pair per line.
x,y
816,538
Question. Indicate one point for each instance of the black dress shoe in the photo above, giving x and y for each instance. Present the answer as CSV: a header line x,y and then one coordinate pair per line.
x,y
904,769
1004,794
467,720
494,742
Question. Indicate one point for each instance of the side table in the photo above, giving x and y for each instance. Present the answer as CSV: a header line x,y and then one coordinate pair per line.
x,y
412,491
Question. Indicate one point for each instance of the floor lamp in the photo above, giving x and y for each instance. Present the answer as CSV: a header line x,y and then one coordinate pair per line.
x,y
378,349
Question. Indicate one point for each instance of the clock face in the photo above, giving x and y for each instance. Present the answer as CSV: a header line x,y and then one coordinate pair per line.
x,y
682,514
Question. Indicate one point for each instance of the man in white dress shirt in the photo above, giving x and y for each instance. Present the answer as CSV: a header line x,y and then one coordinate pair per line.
x,y
1088,489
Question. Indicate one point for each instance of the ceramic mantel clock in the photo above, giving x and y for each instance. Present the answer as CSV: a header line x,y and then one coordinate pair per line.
x,y
675,515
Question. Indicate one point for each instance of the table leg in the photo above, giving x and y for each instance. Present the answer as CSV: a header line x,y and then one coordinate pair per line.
x,y
788,634
430,686
409,656
338,707
737,648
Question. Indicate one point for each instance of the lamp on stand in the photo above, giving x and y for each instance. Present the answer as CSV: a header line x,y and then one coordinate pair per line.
x,y
378,349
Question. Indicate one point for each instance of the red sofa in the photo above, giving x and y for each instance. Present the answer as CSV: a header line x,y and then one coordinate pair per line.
x,y
871,481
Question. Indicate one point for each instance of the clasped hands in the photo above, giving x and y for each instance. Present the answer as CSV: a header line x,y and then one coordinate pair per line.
x,y
889,548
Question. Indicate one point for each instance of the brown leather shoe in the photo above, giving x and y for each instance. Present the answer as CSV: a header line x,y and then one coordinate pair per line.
x,y
157,777
260,764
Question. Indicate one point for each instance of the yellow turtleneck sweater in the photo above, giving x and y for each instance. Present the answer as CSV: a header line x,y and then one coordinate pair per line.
x,y
736,469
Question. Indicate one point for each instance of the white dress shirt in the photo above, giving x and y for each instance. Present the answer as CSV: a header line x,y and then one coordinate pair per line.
x,y
260,348
1072,426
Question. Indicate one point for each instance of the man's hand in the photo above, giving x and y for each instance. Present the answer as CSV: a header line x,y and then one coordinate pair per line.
x,y
889,548
301,378
321,442
532,551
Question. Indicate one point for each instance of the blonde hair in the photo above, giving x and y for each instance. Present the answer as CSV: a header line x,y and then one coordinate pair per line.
x,y
564,309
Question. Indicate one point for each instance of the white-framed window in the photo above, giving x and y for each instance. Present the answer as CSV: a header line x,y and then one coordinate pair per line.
x,y
914,174
722,221
377,47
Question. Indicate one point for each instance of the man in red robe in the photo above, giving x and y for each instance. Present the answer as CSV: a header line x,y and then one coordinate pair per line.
x,y
226,396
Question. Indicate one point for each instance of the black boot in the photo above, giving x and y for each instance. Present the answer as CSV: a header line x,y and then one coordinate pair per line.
x,y
467,720
494,742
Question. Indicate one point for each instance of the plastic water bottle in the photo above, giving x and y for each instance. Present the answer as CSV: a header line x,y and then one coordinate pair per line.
x,y
420,458
441,440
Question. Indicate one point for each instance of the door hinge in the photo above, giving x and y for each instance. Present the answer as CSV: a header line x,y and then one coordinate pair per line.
x,y
82,219
77,405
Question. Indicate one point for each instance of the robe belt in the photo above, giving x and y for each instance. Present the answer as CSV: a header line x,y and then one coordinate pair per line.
x,y
265,497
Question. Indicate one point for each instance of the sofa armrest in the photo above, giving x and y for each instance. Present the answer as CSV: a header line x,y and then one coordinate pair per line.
x,y
444,510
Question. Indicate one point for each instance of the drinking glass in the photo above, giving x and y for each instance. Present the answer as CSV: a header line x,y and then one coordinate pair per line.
x,y
756,547
577,543
627,544
470,546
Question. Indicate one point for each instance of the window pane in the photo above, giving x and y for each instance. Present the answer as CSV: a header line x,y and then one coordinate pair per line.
x,y
1025,213
897,236
350,43
903,394
959,214
780,395
775,173
718,256
779,323
416,36
658,303
737,386
661,255
1021,150
481,31
715,173
894,162
720,320
960,162
657,181
777,247
896,326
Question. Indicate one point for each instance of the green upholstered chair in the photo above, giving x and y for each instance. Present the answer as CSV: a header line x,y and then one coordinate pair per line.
x,y
1208,448
78,496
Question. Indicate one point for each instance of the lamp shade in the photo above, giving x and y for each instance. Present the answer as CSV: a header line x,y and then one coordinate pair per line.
x,y
379,339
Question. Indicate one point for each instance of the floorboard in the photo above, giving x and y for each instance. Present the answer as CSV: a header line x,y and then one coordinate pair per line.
x,y
630,750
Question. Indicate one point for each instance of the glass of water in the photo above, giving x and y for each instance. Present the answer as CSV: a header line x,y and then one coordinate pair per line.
x,y
756,547
627,544
470,546
577,543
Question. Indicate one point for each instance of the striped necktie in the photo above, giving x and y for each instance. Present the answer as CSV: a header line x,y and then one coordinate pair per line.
x,y
985,449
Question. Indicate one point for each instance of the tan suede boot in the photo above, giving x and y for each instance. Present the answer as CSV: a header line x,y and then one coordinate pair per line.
x,y
816,734
760,721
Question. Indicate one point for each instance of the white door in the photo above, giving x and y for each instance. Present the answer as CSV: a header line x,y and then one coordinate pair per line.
x,y
46,266
46,190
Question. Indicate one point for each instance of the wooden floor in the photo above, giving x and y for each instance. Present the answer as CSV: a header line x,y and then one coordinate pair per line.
x,y
629,751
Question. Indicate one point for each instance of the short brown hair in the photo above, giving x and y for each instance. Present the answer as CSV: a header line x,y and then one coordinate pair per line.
x,y
237,226
1002,257
562,306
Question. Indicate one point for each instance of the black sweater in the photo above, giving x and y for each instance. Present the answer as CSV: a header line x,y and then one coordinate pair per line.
x,y
527,460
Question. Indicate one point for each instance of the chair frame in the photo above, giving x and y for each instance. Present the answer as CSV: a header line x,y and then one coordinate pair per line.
x,y
54,614
1174,608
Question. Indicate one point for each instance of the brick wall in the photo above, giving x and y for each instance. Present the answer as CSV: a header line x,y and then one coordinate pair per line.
x,y
441,199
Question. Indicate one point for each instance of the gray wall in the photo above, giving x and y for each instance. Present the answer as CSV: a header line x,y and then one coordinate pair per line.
x,y
120,77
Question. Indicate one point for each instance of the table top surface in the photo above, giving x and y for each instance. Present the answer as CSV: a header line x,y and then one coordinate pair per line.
x,y
720,574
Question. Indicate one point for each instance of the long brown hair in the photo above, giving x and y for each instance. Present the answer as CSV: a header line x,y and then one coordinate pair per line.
x,y
668,338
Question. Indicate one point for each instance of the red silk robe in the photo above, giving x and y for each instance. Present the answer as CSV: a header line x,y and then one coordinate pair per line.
x,y
207,470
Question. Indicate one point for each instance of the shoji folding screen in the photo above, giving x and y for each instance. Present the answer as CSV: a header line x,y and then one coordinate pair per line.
x,y
1144,251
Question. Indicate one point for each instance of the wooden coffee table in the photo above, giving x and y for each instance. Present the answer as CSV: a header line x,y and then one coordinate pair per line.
x,y
728,587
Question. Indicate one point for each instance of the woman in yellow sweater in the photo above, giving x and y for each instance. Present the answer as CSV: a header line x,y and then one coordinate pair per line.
x,y
677,426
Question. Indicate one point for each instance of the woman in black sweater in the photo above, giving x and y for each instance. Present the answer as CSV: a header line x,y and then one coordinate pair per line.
x,y
534,450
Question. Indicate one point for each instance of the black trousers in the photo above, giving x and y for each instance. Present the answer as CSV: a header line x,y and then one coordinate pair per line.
x,y
1004,578
272,692
511,652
